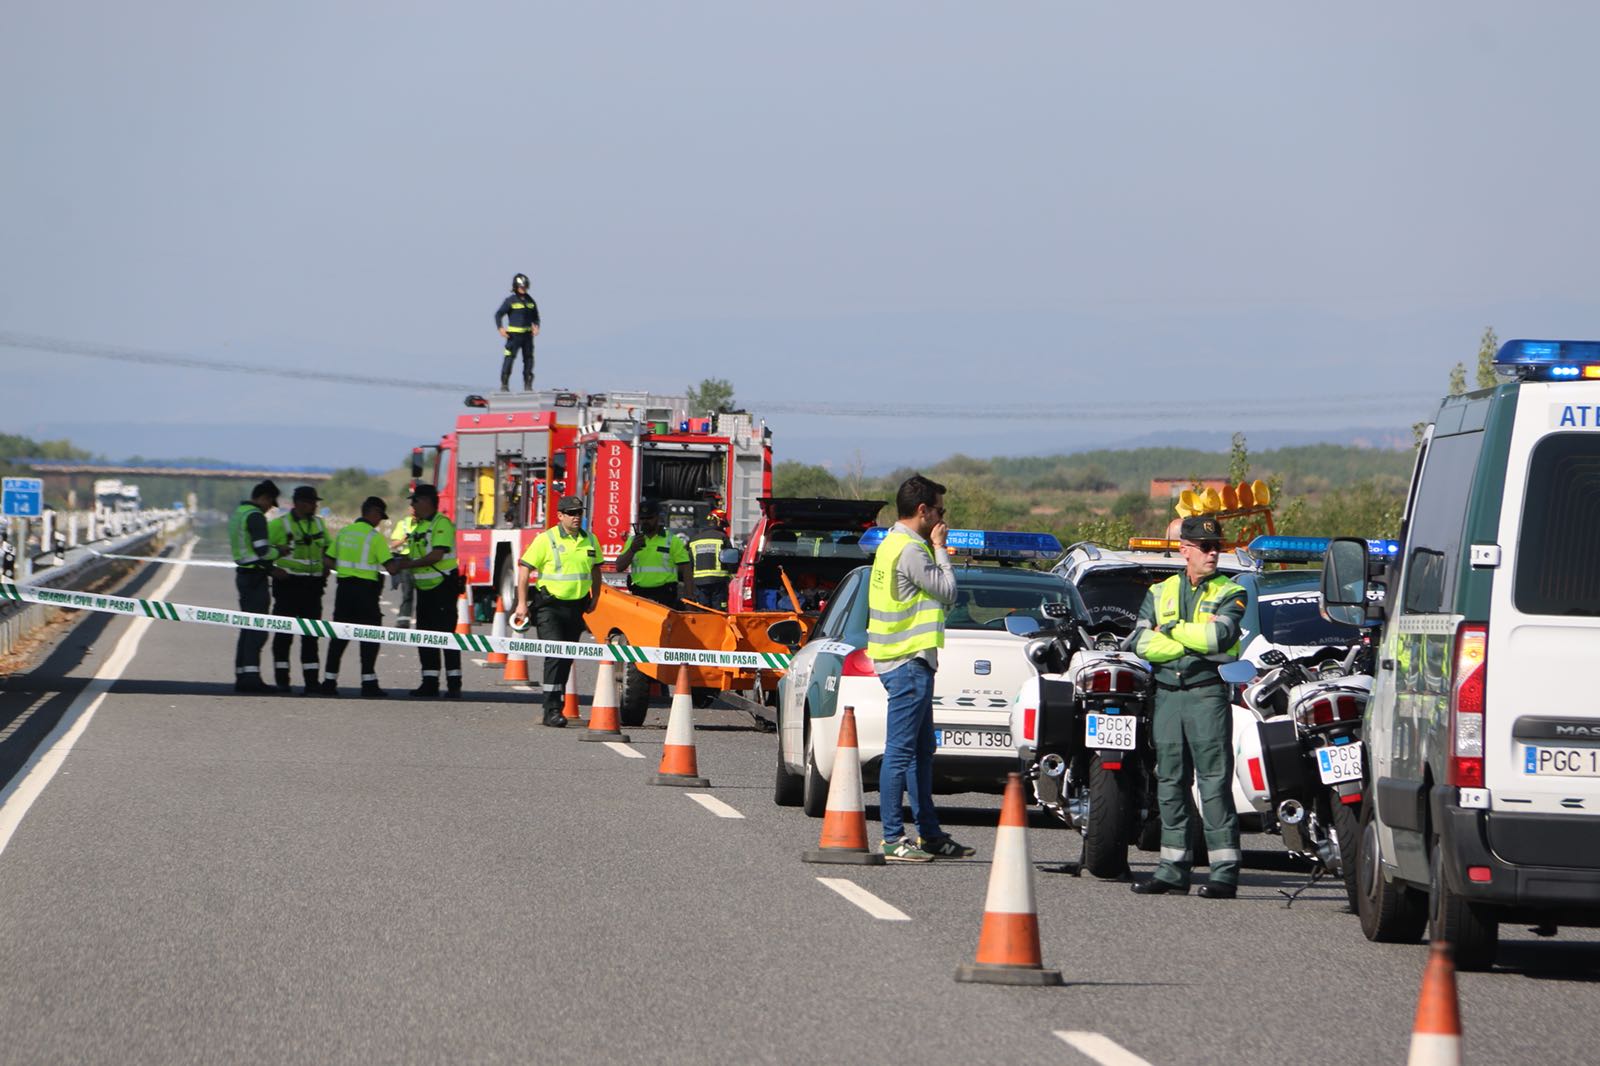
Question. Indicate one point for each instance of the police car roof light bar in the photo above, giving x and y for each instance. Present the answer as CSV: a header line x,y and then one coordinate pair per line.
x,y
1544,360
984,543
1282,549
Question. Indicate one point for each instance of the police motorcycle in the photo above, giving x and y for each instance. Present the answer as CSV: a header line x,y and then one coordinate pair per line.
x,y
1081,725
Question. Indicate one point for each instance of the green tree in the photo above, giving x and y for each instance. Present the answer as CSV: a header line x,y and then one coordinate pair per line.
x,y
801,479
713,396
1487,347
1238,460
1458,379
345,489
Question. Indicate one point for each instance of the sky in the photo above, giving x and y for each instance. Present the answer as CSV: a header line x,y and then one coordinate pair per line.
x,y
902,230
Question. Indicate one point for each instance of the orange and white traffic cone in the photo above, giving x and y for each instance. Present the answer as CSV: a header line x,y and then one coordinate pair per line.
x,y
516,670
1008,946
1436,1034
500,628
569,706
844,821
605,722
463,614
678,763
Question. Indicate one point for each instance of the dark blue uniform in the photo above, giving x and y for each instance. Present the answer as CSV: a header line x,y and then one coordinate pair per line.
x,y
520,313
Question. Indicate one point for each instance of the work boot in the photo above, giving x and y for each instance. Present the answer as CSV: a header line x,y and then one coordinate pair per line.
x,y
313,685
282,678
555,719
371,691
505,382
427,690
330,687
453,692
527,383
250,683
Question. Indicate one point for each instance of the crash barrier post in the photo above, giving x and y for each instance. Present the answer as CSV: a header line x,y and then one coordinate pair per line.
x,y
844,821
499,628
678,763
569,705
1008,945
1436,1033
463,615
604,720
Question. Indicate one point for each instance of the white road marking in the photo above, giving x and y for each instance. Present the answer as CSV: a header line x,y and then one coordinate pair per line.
x,y
1101,1048
865,900
625,750
19,796
22,719
714,805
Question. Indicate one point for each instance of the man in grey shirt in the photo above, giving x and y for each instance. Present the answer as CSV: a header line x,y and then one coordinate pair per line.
x,y
912,584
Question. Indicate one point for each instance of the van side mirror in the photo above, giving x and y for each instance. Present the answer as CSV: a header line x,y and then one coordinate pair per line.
x,y
1345,586
787,632
416,464
729,556
1021,625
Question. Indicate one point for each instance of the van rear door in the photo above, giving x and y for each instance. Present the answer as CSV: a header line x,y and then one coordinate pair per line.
x,y
1542,721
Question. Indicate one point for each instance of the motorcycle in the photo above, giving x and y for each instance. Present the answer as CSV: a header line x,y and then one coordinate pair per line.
x,y
1082,727
1302,767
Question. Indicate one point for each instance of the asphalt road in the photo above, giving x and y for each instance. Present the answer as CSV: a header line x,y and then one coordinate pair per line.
x,y
212,877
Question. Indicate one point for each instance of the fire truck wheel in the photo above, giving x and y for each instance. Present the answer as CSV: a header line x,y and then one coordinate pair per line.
x,y
635,696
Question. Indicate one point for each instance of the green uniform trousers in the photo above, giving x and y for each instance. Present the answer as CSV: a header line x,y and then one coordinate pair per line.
x,y
1193,733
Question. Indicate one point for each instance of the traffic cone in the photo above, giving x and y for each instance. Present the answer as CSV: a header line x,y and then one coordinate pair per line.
x,y
604,723
844,821
569,706
463,615
499,628
1008,946
516,670
678,764
1436,1034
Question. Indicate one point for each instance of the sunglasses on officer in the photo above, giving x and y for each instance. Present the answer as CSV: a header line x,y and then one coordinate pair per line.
x,y
1205,547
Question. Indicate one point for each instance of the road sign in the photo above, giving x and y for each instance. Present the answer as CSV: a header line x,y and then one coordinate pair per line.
x,y
22,497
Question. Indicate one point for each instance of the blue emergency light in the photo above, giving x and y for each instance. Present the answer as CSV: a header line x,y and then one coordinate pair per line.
x,y
984,543
1534,360
1306,549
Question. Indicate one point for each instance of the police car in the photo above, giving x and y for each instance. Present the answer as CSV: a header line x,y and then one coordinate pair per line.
x,y
1113,582
980,669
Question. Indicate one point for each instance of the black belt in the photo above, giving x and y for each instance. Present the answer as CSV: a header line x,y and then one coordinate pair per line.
x,y
1189,686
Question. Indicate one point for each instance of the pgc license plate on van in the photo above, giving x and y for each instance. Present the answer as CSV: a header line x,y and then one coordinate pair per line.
x,y
1543,761
1110,731
1339,762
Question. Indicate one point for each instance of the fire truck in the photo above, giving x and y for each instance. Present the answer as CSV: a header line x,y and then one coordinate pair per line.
x,y
512,456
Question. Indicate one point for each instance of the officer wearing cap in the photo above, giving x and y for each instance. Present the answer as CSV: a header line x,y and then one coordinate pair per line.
x,y
431,562
1189,626
255,563
360,556
656,561
565,556
301,540
711,574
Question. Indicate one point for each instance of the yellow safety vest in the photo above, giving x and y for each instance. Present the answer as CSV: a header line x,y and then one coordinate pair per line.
x,y
307,543
1218,587
359,551
565,564
897,628
423,537
707,552
655,564
244,550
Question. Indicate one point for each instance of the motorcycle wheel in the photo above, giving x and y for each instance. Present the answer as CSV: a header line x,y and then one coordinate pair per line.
x,y
1105,837
1345,821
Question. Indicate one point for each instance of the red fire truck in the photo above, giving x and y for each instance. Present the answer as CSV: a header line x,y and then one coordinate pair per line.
x,y
512,456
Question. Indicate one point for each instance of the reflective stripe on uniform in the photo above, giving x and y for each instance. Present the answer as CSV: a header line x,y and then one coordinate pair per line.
x,y
1174,854
1224,854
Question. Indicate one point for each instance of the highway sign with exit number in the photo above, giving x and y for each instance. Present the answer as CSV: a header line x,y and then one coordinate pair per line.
x,y
23,497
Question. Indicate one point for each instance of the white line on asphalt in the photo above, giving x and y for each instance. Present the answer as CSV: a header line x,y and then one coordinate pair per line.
x,y
1101,1048
625,750
865,900
22,719
714,805
18,797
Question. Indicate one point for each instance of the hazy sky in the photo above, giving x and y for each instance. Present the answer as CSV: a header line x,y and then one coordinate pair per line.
x,y
1081,222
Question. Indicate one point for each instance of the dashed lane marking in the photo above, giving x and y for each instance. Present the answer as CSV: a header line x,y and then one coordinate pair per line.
x,y
865,900
29,783
625,750
22,719
1100,1048
714,805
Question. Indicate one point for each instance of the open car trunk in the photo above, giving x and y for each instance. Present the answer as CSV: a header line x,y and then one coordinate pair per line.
x,y
815,542
813,579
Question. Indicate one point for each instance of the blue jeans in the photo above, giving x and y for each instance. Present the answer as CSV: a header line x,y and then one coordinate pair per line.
x,y
908,752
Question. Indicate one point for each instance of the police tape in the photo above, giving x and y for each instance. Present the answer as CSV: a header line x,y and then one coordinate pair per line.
x,y
161,610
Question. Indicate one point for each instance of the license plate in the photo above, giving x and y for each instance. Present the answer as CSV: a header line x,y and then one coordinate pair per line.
x,y
1542,761
973,739
1110,731
1341,762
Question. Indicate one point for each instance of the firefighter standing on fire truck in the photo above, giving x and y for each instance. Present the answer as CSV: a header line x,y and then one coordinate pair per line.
x,y
657,562
518,322
566,557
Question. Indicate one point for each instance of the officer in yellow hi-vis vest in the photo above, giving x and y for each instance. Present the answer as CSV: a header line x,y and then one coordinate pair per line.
x,y
255,564
301,539
711,573
1187,628
360,556
431,562
567,558
657,562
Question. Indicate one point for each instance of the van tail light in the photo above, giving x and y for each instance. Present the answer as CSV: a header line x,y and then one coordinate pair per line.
x,y
856,664
1466,706
1030,721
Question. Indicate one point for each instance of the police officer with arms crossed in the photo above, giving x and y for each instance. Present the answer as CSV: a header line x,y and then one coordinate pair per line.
x,y
1188,626
360,556
520,315
255,560
566,558
301,539
656,561
912,584
431,562
711,574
